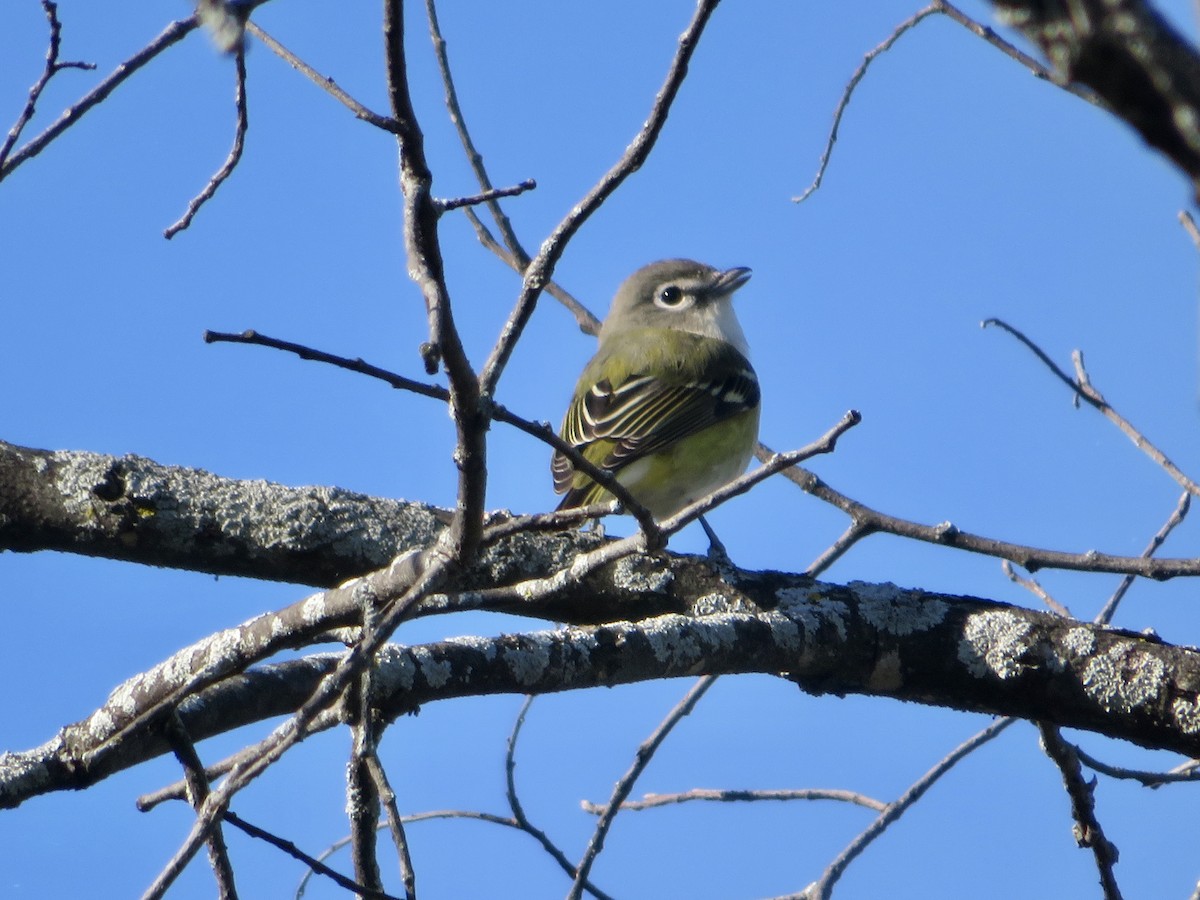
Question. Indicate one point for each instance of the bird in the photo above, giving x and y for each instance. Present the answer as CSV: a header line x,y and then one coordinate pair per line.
x,y
670,403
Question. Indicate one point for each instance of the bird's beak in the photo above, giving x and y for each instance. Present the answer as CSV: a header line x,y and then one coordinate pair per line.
x,y
729,281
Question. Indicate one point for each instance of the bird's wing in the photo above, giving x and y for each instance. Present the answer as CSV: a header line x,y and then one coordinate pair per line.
x,y
613,426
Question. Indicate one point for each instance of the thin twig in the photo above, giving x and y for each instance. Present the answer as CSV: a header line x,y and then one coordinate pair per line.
x,y
1139,440
645,753
1173,521
1083,388
1147,779
947,534
235,152
324,82
310,861
520,819
821,889
1010,50
519,262
1088,832
542,266
52,68
848,91
197,789
651,801
539,430
854,533
171,35
771,465
1032,585
395,824
512,252
488,196
978,29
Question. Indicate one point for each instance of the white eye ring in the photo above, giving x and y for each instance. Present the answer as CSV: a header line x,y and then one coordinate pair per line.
x,y
670,297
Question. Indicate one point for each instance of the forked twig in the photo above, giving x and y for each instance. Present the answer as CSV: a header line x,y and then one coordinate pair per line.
x,y
539,430
171,35
1082,386
52,68
512,252
947,534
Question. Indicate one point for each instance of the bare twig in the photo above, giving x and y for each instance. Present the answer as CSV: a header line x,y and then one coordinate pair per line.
x,y
395,824
771,465
947,534
1147,779
488,196
822,888
197,789
324,82
53,67
425,268
235,152
1032,585
1039,71
171,35
512,252
362,794
521,821
542,266
310,861
854,533
1084,389
977,28
1088,832
539,430
645,753
650,801
848,91
1173,521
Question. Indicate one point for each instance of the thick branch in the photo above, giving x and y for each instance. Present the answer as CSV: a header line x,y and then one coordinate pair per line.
x,y
959,652
131,508
1131,57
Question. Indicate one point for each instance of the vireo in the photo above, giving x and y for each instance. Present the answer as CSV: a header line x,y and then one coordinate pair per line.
x,y
669,403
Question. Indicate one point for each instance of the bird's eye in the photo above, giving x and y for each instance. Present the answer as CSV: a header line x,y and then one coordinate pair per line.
x,y
670,297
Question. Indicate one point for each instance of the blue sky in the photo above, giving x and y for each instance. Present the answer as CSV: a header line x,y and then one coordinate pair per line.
x,y
961,188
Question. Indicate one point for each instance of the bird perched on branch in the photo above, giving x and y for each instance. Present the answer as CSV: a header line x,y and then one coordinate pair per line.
x,y
670,403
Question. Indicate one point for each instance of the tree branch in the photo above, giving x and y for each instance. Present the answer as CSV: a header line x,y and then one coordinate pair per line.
x,y
1125,51
953,651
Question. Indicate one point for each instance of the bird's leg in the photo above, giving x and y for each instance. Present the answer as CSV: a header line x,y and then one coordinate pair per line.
x,y
717,553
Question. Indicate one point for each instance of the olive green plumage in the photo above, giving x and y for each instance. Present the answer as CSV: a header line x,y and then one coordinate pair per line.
x,y
670,402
